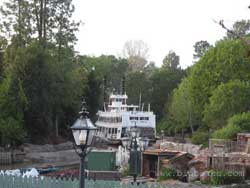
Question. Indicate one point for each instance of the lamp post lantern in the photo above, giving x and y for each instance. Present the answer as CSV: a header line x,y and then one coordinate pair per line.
x,y
135,144
83,131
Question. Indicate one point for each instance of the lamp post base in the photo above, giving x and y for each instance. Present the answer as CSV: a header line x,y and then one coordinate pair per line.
x,y
82,172
134,177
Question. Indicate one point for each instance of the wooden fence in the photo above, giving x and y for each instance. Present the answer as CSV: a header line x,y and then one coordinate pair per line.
x,y
220,146
5,158
9,157
19,182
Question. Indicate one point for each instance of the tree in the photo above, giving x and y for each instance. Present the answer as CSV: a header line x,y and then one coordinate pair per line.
x,y
200,48
92,94
228,60
99,77
163,81
235,124
239,31
172,60
48,21
226,100
16,21
226,63
40,55
240,28
12,104
137,53
138,86
150,68
180,107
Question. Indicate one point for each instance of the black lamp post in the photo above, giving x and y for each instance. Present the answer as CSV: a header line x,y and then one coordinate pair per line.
x,y
135,145
83,131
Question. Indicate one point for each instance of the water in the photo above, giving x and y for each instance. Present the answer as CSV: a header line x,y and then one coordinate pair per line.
x,y
17,166
37,165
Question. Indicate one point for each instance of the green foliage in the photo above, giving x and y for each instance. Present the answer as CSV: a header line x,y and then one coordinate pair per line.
x,y
99,75
240,28
200,137
47,21
219,177
226,100
165,125
228,60
171,61
163,82
168,173
137,83
125,170
236,124
200,48
180,111
12,103
40,66
215,89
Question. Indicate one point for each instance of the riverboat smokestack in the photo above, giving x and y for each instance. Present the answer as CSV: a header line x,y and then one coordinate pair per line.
x,y
104,92
123,85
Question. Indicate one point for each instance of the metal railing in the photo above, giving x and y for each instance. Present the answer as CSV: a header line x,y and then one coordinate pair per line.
x,y
44,182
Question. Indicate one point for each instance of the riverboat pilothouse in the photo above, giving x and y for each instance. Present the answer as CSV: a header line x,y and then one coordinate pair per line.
x,y
114,122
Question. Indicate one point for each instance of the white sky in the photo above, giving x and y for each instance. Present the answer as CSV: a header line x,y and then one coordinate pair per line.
x,y
163,24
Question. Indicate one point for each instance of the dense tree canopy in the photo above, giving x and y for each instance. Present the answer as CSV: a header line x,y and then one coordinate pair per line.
x,y
226,100
215,88
200,48
43,80
40,82
172,60
240,28
238,123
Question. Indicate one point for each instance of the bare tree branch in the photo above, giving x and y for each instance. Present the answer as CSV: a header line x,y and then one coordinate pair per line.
x,y
221,23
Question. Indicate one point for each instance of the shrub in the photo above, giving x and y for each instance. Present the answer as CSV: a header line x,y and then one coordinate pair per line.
x,y
168,173
200,137
237,123
227,132
220,177
125,170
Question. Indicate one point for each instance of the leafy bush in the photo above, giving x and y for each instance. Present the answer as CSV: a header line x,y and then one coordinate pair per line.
x,y
11,131
227,99
165,125
219,177
237,123
168,173
200,137
227,132
125,170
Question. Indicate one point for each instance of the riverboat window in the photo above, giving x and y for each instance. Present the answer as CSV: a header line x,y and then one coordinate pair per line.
x,y
144,118
109,131
133,118
115,131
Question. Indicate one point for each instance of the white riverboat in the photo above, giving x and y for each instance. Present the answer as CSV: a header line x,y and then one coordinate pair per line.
x,y
114,122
